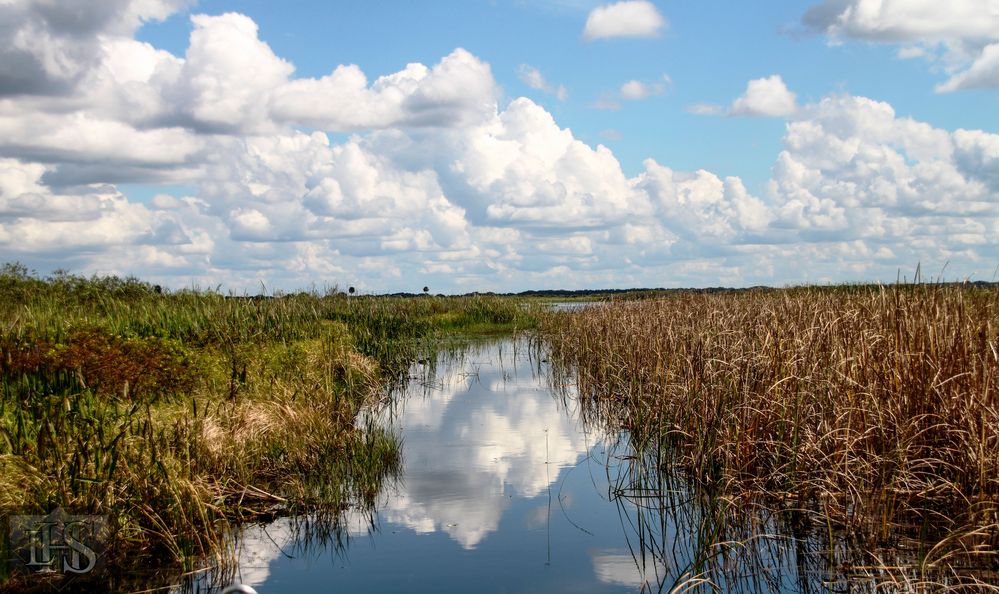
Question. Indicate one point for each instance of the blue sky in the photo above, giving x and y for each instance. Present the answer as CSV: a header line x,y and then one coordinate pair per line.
x,y
207,143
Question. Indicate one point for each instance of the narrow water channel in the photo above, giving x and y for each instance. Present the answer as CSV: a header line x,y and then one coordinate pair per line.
x,y
502,490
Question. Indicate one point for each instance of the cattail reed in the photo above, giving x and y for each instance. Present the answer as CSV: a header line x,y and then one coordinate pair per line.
x,y
874,408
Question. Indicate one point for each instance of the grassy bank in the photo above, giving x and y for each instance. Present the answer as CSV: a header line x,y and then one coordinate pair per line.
x,y
176,414
874,410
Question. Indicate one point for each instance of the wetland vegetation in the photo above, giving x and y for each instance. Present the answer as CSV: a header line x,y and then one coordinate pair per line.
x,y
862,422
839,438
177,414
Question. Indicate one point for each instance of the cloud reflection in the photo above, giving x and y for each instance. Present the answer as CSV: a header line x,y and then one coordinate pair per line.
x,y
480,432
621,568
474,441
258,546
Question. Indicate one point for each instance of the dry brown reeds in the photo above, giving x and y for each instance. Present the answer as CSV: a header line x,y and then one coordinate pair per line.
x,y
876,408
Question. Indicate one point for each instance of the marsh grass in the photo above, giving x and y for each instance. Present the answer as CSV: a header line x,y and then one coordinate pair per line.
x,y
871,412
175,415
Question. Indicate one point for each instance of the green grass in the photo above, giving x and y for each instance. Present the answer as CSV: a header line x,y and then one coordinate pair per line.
x,y
176,414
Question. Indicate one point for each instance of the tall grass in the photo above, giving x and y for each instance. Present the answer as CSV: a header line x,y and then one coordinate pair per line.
x,y
176,414
873,410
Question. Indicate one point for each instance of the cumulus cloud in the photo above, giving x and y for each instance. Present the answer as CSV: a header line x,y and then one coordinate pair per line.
x,y
226,76
458,91
630,18
440,182
703,208
853,170
963,31
85,138
766,97
523,169
49,47
982,74
903,20
533,78
35,220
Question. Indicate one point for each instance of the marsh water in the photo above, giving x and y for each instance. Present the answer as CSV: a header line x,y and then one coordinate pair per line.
x,y
503,488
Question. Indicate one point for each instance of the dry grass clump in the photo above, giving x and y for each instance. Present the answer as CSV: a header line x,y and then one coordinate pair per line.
x,y
877,407
113,365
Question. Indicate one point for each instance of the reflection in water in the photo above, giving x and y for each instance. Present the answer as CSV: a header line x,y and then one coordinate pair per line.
x,y
682,537
620,567
483,435
259,545
504,489
500,483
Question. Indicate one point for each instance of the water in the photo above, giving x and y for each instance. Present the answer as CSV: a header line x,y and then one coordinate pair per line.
x,y
503,489
570,306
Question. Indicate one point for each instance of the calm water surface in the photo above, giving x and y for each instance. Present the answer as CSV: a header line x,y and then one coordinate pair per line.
x,y
502,490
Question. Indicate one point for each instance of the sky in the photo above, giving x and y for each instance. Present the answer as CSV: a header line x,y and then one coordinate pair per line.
x,y
481,145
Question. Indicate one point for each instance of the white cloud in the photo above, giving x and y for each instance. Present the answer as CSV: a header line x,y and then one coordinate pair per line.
x,y
458,91
523,170
632,90
227,75
231,81
982,74
635,90
907,20
84,138
441,184
703,208
961,30
853,170
977,154
533,78
48,48
33,219
630,18
767,97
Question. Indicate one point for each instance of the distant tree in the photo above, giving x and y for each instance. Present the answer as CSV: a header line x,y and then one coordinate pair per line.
x,y
351,290
16,270
426,290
